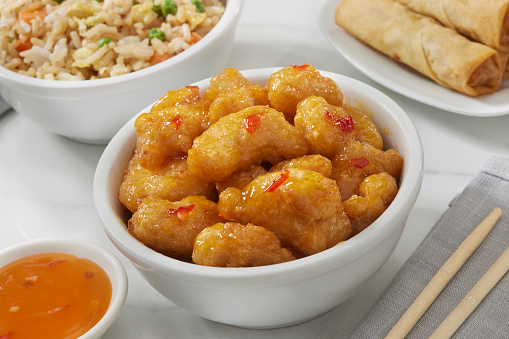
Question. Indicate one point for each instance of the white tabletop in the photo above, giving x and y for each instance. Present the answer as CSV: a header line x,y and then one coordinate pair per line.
x,y
46,180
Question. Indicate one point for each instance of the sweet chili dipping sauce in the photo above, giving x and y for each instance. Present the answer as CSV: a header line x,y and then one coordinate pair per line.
x,y
52,295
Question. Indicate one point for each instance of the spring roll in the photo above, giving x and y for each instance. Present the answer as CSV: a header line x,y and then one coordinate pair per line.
x,y
504,57
420,42
485,21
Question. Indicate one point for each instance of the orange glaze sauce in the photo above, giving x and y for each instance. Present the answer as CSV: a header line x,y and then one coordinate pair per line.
x,y
52,295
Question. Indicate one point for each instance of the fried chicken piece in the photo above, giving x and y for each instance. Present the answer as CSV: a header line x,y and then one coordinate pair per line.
x,y
365,129
240,178
327,127
186,96
240,140
235,100
227,80
358,160
302,207
232,244
170,227
167,133
172,182
288,86
376,192
312,162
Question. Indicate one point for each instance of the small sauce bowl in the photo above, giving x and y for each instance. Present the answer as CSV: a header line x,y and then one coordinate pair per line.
x,y
98,260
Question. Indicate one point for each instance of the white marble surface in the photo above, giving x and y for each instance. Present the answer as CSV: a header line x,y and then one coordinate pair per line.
x,y
46,180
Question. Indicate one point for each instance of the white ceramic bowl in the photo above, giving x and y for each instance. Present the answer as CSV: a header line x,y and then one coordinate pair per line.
x,y
92,111
82,249
282,294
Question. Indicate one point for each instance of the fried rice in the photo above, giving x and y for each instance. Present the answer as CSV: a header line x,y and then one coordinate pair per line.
x,y
92,39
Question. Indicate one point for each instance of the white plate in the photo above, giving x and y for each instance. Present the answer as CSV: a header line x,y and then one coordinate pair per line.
x,y
403,79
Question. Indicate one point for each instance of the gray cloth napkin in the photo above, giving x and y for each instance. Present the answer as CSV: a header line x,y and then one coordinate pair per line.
x,y
489,189
4,106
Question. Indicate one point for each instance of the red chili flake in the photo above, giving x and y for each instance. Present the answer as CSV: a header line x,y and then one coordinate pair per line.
x,y
396,57
252,122
359,162
278,182
126,172
89,275
329,116
27,284
303,66
6,336
347,124
177,121
181,209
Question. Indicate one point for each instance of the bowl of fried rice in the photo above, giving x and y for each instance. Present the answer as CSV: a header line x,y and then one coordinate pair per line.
x,y
80,68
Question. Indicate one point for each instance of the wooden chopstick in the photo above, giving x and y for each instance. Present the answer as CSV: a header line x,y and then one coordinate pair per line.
x,y
467,305
443,276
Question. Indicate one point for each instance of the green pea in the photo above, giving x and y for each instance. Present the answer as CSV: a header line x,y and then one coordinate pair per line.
x,y
103,41
168,7
200,8
157,9
156,33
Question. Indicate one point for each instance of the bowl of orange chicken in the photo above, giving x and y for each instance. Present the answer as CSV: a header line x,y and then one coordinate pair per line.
x,y
261,198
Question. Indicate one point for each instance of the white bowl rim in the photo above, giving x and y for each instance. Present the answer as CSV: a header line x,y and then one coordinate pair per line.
x,y
115,271
308,266
229,18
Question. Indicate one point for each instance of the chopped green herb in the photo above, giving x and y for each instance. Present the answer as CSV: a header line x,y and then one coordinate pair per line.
x,y
200,8
58,1
11,39
103,41
156,33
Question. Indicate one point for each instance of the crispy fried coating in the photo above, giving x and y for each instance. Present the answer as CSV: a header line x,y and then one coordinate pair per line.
x,y
237,99
312,162
242,139
376,192
186,96
357,160
241,178
167,133
290,85
173,182
228,79
232,244
170,227
327,127
302,207
365,129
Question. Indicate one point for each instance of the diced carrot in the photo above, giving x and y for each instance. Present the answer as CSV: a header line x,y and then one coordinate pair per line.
x,y
195,37
157,57
23,45
29,15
